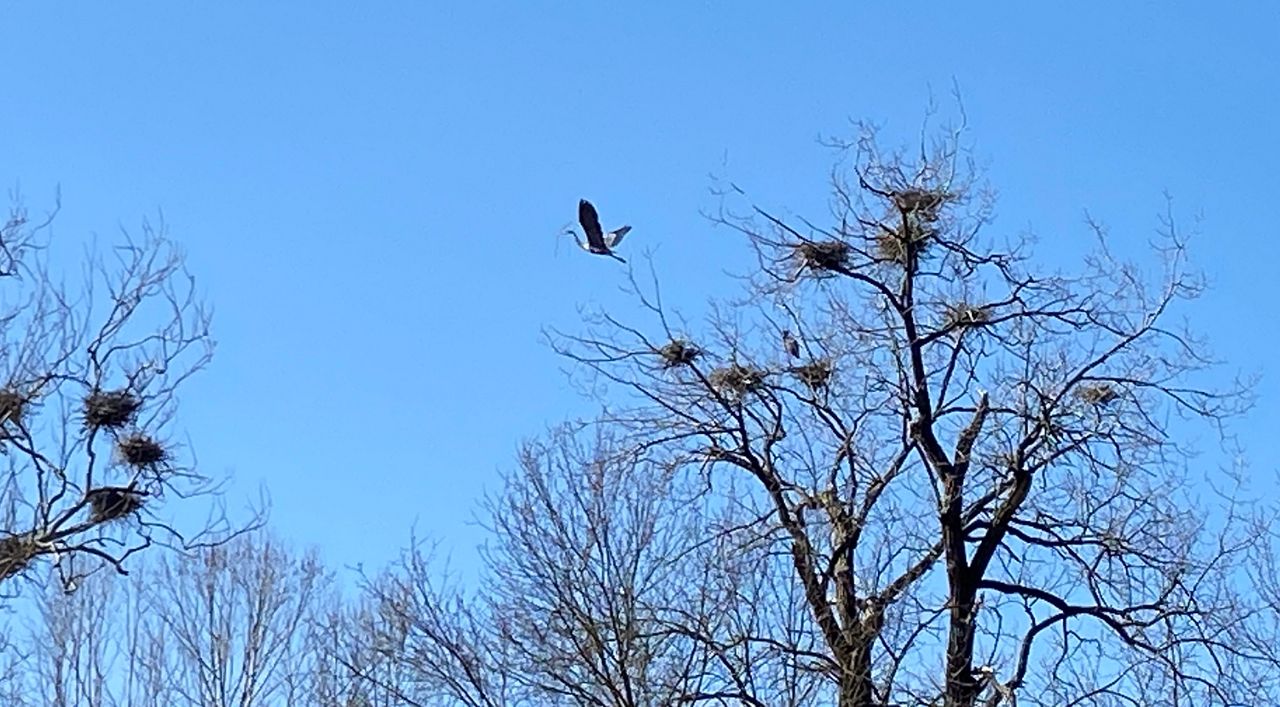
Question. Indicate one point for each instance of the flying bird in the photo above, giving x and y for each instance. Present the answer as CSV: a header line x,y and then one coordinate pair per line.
x,y
598,242
790,344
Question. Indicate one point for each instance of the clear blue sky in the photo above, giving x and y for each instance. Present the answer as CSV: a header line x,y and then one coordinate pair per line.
x,y
369,192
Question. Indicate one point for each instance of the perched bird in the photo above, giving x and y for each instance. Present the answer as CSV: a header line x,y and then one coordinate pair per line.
x,y
790,344
598,242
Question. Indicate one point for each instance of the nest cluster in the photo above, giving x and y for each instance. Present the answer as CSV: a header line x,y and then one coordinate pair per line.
x,y
110,409
1100,394
962,314
678,352
113,504
737,379
16,553
140,450
919,210
815,374
823,257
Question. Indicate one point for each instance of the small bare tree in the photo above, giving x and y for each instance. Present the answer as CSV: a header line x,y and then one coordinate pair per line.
x,y
231,625
87,648
88,378
236,622
610,582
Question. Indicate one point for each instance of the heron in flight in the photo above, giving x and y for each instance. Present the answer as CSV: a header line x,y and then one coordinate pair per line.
x,y
598,242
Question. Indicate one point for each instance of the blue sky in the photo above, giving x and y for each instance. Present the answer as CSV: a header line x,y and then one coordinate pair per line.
x,y
369,192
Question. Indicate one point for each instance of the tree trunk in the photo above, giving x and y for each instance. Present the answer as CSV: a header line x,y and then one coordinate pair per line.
x,y
962,689
855,679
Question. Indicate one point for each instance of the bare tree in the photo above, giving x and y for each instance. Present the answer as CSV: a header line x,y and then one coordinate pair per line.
x,y
88,377
87,647
231,625
236,623
362,657
906,469
977,474
610,581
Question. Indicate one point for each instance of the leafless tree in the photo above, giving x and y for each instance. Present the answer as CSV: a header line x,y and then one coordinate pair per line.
x,y
237,622
88,376
979,475
361,659
611,581
86,648
231,625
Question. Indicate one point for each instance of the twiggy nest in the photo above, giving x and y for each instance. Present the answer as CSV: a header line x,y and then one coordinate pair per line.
x,y
924,203
112,409
141,450
892,245
13,404
822,257
736,379
678,352
962,314
815,374
113,504
13,408
1099,394
16,553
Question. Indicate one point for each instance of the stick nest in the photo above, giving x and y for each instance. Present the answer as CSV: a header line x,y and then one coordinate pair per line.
x,y
678,352
892,246
13,407
962,314
113,504
1099,395
815,374
737,379
823,257
923,203
140,450
16,553
111,409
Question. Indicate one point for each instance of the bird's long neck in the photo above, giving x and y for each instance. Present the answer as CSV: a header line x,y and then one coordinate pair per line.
x,y
576,239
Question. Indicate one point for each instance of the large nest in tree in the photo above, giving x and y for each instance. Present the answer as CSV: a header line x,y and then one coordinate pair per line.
x,y
112,409
924,203
16,553
823,257
141,450
815,374
737,379
113,504
962,314
1099,394
678,352
893,246
13,407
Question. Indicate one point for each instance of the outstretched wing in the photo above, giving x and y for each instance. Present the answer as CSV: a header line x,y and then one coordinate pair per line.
x,y
615,237
590,221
